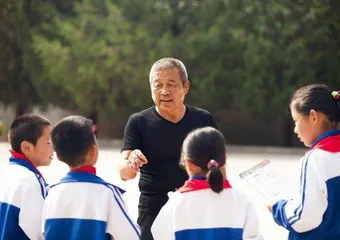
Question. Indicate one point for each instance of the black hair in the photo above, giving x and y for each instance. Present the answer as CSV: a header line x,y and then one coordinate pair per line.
x,y
319,98
203,145
72,138
29,127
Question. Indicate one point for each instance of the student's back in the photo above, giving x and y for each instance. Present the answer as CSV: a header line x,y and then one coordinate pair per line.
x,y
82,205
206,207
22,187
203,214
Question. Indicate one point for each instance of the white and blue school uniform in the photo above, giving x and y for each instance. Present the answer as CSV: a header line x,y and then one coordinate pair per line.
x,y
195,212
82,206
22,195
314,213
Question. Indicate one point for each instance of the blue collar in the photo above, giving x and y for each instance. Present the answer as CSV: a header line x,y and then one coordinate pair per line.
x,y
325,135
197,177
25,164
85,177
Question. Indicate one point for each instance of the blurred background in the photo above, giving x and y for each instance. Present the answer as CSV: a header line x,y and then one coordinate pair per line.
x,y
92,57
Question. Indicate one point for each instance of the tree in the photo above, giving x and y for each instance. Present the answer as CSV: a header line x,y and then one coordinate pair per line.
x,y
287,46
97,59
17,86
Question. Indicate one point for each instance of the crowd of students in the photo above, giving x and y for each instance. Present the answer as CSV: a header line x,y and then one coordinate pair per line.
x,y
84,206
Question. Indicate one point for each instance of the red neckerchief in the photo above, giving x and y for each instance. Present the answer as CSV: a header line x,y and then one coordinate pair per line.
x,y
24,158
198,184
88,169
329,144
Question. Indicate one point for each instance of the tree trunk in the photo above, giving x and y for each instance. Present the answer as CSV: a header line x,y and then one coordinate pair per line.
x,y
94,117
20,109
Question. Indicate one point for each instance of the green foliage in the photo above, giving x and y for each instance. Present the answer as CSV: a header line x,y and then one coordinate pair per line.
x,y
95,56
288,46
98,62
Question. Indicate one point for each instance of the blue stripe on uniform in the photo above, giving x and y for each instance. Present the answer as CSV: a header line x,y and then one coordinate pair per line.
x,y
209,233
298,211
42,183
9,223
91,178
75,229
125,214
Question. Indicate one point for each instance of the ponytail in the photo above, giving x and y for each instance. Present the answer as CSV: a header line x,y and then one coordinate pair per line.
x,y
214,177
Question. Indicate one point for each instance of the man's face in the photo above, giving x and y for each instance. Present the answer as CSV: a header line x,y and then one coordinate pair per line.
x,y
168,90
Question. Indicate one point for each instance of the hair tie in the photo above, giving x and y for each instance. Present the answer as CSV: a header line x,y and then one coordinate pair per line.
x,y
336,95
212,163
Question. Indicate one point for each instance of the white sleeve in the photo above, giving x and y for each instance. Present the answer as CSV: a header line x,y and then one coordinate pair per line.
x,y
251,225
43,218
119,224
305,211
31,212
162,228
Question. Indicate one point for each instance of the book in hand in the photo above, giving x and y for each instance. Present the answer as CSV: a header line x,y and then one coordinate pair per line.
x,y
266,180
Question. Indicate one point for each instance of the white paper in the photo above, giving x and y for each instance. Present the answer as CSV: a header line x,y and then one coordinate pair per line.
x,y
265,179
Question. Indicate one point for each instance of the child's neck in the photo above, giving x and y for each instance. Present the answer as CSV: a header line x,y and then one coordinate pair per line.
x,y
197,174
23,157
83,168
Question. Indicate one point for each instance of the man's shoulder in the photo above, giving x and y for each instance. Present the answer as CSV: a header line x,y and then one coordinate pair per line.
x,y
198,111
142,114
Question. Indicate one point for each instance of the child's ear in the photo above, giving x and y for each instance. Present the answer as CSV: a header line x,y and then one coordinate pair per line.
x,y
314,117
26,148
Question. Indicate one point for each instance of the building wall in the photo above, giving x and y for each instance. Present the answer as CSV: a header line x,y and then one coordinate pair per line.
x,y
54,114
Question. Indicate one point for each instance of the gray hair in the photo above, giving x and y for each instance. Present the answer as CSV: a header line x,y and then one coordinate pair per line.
x,y
170,63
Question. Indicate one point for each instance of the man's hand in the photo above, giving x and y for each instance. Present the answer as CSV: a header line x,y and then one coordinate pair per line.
x,y
136,160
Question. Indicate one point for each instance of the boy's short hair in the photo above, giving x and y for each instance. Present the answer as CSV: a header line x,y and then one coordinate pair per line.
x,y
72,138
29,127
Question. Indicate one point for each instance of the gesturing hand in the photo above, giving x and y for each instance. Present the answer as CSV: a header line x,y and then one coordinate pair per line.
x,y
136,160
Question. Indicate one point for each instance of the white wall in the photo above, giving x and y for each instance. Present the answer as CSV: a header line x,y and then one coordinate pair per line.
x,y
54,114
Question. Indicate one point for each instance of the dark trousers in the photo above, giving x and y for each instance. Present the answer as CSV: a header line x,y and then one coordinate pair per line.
x,y
148,209
145,221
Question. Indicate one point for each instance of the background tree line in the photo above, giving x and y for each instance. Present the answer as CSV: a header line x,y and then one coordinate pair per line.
x,y
244,57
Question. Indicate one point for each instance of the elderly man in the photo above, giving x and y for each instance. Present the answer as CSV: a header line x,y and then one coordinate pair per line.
x,y
154,136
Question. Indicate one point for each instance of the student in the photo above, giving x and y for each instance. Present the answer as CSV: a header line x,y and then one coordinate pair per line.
x,y
82,205
206,207
314,212
23,188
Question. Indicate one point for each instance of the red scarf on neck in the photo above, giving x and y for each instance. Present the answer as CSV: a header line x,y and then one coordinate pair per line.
x,y
20,156
199,184
88,169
